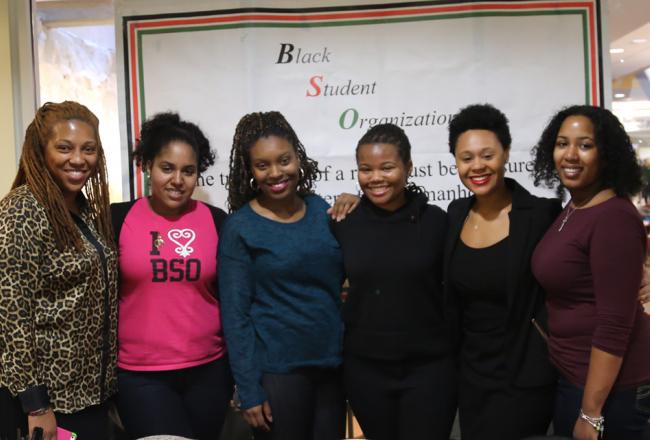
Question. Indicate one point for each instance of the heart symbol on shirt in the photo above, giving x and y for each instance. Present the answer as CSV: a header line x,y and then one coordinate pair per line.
x,y
183,238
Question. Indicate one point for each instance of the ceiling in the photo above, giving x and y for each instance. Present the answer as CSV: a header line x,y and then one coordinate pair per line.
x,y
628,23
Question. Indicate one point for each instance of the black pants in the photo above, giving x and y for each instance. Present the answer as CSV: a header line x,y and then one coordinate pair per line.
x,y
89,424
13,422
190,402
402,400
626,412
307,404
527,411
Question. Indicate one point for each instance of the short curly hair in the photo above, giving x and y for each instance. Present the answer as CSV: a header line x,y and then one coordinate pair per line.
x,y
163,128
479,117
621,169
249,130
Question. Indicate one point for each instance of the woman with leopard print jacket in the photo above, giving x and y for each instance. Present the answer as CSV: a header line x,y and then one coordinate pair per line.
x,y
58,275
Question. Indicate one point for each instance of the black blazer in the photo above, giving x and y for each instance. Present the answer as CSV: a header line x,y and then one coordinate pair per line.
x,y
527,359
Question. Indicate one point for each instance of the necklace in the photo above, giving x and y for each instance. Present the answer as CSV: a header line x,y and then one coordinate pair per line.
x,y
569,211
466,221
474,224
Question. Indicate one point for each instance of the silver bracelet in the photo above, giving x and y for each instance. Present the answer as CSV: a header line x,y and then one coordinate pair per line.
x,y
598,423
39,412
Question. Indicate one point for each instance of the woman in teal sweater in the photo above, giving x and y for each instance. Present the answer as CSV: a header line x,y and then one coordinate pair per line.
x,y
280,275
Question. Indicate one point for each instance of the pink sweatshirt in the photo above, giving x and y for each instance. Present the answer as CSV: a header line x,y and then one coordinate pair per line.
x,y
169,317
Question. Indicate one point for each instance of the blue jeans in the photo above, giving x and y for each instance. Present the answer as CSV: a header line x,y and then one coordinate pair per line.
x,y
190,402
626,412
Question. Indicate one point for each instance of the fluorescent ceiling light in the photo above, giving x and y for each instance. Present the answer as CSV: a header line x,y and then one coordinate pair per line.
x,y
640,40
619,95
616,50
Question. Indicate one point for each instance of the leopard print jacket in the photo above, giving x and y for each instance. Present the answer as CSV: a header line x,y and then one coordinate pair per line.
x,y
58,310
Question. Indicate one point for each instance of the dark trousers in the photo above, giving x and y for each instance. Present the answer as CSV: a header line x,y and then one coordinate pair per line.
x,y
190,402
307,404
626,412
13,422
90,423
482,410
402,400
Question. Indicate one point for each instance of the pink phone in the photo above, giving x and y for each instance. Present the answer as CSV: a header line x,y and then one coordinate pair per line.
x,y
64,434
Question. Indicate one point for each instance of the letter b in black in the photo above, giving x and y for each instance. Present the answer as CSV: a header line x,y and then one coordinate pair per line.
x,y
158,270
285,53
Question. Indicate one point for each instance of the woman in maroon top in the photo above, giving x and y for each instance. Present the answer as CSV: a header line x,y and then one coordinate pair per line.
x,y
590,265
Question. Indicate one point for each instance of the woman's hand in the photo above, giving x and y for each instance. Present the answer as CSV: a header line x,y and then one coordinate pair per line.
x,y
259,417
644,291
45,421
584,431
344,204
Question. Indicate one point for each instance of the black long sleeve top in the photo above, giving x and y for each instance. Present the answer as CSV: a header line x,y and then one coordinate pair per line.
x,y
393,261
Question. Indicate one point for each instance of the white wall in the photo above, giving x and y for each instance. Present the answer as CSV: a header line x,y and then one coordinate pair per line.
x,y
7,141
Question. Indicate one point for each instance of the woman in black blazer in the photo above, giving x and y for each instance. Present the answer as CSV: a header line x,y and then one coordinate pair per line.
x,y
506,385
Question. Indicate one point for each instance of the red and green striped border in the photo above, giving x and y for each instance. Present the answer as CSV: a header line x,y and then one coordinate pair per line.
x,y
135,27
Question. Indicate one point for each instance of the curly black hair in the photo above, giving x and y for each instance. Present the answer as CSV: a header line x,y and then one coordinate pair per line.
x,y
621,169
393,135
479,117
250,129
163,128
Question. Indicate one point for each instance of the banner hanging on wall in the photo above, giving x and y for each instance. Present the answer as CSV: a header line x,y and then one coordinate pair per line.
x,y
336,71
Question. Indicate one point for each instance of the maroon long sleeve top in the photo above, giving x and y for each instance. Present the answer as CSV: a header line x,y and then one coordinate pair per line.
x,y
591,271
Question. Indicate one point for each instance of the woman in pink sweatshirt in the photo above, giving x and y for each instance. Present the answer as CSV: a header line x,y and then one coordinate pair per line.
x,y
173,373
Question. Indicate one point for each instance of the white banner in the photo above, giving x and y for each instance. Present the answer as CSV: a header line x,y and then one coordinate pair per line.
x,y
335,72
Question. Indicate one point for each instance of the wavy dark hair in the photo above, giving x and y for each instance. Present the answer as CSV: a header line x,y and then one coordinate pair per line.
x,y
479,117
621,170
250,129
393,135
163,128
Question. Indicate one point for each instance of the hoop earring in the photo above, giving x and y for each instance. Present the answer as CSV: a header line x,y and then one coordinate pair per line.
x,y
301,180
253,184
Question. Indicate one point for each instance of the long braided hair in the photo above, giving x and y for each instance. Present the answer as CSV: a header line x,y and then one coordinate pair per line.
x,y
33,172
250,129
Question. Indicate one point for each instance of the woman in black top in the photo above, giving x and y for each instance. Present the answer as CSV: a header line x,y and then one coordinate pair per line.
x,y
399,372
506,383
